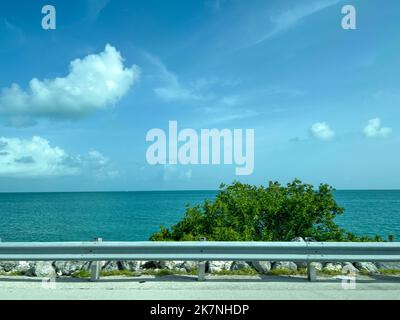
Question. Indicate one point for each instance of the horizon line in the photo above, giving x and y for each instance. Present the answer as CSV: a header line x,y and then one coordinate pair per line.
x,y
167,190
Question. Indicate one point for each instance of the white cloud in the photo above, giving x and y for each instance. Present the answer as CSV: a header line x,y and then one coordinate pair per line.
x,y
289,18
221,108
226,109
171,88
101,165
94,82
36,158
322,131
374,129
174,93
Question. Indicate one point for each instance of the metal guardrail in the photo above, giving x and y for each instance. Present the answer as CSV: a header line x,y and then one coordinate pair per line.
x,y
200,251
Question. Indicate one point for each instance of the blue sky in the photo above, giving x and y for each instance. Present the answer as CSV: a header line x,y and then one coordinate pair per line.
x,y
323,101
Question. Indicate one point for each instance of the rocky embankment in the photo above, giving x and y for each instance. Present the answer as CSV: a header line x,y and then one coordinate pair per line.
x,y
69,268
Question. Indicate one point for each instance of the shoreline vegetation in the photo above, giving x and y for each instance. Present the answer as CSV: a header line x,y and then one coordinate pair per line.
x,y
243,212
240,212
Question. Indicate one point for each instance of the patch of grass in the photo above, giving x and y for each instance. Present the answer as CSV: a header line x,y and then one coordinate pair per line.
x,y
302,271
288,272
330,273
192,272
12,273
282,272
163,272
390,272
128,273
16,273
242,272
81,274
112,273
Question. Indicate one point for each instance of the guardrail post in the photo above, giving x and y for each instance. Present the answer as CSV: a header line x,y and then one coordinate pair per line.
x,y
312,272
201,273
95,267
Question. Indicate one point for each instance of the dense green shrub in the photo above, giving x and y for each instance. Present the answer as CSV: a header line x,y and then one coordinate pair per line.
x,y
243,212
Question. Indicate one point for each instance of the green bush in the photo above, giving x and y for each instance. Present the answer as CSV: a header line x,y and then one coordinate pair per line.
x,y
241,212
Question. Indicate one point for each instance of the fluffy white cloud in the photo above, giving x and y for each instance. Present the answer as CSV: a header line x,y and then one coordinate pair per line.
x,y
374,129
36,158
322,131
33,158
94,82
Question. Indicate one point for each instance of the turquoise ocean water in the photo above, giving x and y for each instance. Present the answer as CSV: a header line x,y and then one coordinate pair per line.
x,y
136,215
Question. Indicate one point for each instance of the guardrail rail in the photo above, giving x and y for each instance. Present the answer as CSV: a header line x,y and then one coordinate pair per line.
x,y
97,251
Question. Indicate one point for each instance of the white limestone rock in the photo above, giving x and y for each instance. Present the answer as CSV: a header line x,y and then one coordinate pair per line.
x,y
284,265
332,267
135,266
388,265
261,266
317,265
239,265
67,268
43,269
7,266
218,266
111,266
171,265
349,268
190,265
366,266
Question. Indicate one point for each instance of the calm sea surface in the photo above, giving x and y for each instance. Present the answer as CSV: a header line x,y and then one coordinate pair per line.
x,y
136,215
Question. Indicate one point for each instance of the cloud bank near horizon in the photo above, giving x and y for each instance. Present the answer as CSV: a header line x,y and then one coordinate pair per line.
x,y
36,158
